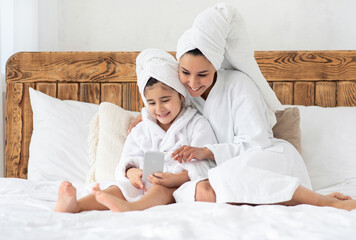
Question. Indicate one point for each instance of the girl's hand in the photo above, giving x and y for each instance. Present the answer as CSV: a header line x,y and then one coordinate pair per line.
x,y
169,179
187,153
134,122
135,175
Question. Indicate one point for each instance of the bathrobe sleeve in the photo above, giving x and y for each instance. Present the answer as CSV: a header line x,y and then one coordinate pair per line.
x,y
132,153
248,113
202,134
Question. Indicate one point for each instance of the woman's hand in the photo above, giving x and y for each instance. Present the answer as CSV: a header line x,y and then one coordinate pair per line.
x,y
134,122
169,179
187,153
135,175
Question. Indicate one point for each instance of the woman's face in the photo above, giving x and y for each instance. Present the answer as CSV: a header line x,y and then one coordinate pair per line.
x,y
197,74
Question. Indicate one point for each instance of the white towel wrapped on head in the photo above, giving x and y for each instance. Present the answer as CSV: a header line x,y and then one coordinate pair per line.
x,y
220,34
160,65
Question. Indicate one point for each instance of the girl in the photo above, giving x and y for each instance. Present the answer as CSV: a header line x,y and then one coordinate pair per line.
x,y
167,125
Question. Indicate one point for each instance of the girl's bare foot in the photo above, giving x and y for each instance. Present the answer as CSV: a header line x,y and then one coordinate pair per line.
x,y
115,204
67,198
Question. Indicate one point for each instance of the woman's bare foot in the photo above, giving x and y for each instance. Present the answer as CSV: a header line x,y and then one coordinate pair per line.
x,y
339,196
346,204
67,198
115,204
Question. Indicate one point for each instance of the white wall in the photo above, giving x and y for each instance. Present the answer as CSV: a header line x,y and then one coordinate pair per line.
x,y
133,25
122,25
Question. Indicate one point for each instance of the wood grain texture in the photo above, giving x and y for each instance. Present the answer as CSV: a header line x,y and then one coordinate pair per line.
x,y
90,92
131,97
26,129
325,94
68,91
13,130
323,78
112,93
72,67
304,93
284,92
307,65
346,93
47,88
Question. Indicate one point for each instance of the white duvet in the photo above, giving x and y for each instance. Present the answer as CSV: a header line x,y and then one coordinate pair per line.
x,y
26,212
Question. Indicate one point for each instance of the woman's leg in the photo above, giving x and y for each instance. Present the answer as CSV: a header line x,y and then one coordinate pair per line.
x,y
67,199
156,195
302,195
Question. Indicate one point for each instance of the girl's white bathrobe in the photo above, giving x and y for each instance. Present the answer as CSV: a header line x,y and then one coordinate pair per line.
x,y
253,166
189,128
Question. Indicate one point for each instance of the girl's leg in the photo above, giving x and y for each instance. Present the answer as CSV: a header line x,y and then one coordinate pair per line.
x,y
156,195
67,199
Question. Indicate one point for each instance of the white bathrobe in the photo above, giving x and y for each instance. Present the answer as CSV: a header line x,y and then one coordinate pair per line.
x,y
189,128
253,167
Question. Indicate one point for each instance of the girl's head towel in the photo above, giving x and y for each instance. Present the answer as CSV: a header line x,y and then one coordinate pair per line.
x,y
160,65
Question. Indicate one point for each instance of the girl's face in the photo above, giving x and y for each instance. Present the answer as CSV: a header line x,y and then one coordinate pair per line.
x,y
164,104
197,74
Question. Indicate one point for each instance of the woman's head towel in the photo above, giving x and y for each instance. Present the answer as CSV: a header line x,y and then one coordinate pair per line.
x,y
220,34
160,65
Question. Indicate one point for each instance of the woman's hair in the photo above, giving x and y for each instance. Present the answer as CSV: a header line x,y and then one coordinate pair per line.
x,y
195,52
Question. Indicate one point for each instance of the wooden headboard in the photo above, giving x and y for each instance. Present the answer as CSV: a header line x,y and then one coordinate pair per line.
x,y
323,78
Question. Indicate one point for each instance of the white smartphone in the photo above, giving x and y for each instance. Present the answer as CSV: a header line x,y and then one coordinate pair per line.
x,y
153,162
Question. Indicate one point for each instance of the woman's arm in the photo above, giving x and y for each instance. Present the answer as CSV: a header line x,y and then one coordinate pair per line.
x,y
134,122
250,126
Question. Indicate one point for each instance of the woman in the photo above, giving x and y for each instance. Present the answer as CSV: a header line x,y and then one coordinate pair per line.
x,y
253,167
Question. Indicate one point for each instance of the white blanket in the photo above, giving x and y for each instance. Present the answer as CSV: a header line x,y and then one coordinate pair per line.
x,y
26,212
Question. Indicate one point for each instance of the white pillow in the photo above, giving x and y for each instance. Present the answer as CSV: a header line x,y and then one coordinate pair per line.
x,y
329,144
58,147
108,131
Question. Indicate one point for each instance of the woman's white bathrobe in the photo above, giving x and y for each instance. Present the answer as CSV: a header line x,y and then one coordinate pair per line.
x,y
253,166
189,128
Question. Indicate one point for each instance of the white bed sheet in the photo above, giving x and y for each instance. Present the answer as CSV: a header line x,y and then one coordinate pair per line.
x,y
26,212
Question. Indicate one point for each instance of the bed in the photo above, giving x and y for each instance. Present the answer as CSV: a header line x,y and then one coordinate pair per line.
x,y
321,83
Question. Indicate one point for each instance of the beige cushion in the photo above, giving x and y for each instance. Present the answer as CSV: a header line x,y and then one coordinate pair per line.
x,y
107,135
288,127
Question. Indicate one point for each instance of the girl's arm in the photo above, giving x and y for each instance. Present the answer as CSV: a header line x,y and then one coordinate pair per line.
x,y
135,175
131,157
169,179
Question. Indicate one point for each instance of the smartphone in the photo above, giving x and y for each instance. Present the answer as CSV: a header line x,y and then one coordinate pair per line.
x,y
153,162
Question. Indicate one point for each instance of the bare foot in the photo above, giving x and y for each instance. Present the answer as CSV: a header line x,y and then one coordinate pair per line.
x,y
115,204
67,198
346,204
339,196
